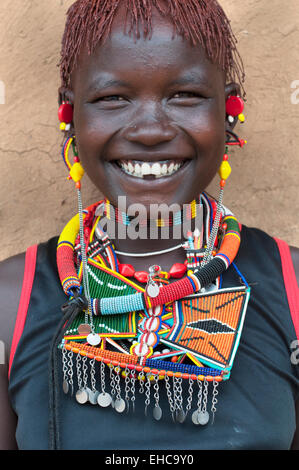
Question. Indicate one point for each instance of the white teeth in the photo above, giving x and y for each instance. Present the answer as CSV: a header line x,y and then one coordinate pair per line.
x,y
137,169
145,169
157,169
164,169
130,167
170,168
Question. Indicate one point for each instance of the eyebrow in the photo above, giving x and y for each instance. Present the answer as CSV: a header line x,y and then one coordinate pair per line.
x,y
99,84
191,78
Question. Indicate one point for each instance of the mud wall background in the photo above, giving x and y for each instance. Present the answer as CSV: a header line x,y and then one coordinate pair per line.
x,y
36,200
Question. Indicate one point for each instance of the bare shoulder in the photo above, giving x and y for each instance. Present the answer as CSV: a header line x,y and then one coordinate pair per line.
x,y
295,257
11,280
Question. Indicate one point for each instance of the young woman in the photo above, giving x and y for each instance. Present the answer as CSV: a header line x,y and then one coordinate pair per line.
x,y
151,326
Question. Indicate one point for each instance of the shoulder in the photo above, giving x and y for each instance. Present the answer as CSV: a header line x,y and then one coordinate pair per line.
x,y
11,281
295,257
258,240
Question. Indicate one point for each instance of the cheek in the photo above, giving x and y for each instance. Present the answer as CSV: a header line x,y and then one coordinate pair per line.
x,y
208,132
92,135
205,123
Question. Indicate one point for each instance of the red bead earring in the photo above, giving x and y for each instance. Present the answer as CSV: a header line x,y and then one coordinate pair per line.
x,y
65,116
234,107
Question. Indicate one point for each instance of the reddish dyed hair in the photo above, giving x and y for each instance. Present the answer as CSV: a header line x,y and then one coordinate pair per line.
x,y
202,22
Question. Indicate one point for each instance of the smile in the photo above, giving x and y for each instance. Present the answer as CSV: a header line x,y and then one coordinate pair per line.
x,y
141,169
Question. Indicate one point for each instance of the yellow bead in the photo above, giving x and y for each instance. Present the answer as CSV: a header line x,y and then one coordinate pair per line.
x,y
224,170
241,117
189,272
62,126
77,171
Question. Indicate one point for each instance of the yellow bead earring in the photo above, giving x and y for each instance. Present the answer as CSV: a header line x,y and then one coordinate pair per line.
x,y
76,171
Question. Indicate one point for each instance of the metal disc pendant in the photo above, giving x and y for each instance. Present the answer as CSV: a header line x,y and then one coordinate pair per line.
x,y
82,396
104,400
157,413
153,290
65,386
93,339
180,416
119,405
195,417
84,329
93,397
203,417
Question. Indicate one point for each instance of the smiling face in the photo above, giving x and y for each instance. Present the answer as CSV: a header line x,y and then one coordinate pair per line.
x,y
149,116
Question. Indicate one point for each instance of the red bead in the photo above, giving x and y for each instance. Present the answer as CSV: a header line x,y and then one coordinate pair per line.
x,y
178,270
234,106
126,270
225,157
65,113
141,276
174,359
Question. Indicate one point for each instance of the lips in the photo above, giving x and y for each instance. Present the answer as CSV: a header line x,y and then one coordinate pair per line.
x,y
155,169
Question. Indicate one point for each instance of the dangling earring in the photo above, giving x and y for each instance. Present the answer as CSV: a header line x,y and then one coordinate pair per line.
x,y
76,171
234,107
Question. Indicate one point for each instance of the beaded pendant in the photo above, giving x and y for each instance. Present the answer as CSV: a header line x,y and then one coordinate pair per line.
x,y
111,357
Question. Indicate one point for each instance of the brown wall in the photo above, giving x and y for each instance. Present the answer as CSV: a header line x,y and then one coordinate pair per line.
x,y
36,200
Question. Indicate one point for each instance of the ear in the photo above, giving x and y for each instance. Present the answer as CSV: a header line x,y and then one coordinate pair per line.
x,y
65,94
232,89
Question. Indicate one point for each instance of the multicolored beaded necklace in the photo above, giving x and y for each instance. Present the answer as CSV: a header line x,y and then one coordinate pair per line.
x,y
180,326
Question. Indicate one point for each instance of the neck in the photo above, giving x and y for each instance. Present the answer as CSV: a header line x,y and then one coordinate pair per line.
x,y
135,235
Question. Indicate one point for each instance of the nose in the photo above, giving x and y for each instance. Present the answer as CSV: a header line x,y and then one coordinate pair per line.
x,y
150,128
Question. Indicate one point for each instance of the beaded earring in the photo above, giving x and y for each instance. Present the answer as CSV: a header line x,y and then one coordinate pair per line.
x,y
234,107
76,171
65,116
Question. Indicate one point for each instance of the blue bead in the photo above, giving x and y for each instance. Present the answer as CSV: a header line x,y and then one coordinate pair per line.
x,y
121,304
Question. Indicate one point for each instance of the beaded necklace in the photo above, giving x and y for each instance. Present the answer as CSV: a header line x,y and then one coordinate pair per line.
x,y
189,212
163,333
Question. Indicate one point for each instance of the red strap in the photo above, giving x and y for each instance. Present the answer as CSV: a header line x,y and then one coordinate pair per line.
x,y
290,281
29,271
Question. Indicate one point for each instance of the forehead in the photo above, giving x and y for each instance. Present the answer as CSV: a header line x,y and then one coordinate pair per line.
x,y
156,58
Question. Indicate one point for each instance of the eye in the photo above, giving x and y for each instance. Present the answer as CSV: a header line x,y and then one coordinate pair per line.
x,y
110,98
186,94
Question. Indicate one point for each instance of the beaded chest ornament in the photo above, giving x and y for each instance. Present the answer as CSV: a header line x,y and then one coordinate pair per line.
x,y
181,326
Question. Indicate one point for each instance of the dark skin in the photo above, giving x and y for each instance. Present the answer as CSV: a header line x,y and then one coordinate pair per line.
x,y
146,118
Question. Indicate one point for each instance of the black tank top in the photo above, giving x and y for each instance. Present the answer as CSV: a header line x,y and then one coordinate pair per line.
x,y
256,406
